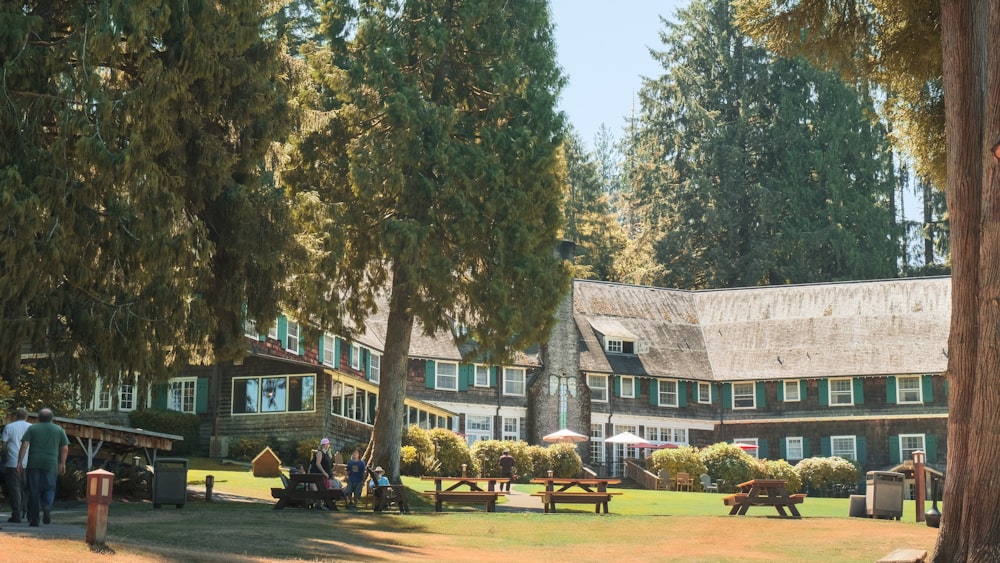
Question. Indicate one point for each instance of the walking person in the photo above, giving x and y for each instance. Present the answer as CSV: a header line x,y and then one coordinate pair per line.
x,y
49,448
506,469
14,482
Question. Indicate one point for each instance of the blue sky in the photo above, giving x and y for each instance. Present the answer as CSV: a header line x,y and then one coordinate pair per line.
x,y
603,48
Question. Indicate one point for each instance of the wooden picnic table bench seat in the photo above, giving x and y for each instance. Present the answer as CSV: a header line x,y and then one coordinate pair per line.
x,y
797,498
551,498
489,498
303,497
733,500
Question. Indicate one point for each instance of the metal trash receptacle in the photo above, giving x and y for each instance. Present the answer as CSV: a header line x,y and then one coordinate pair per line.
x,y
884,494
170,481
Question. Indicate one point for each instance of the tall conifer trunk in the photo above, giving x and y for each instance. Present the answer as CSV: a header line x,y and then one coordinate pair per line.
x,y
970,525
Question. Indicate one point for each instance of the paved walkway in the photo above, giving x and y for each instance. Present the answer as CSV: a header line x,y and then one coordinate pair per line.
x,y
520,502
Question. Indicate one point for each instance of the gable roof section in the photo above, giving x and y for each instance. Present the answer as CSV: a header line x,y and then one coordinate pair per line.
x,y
840,329
868,328
664,320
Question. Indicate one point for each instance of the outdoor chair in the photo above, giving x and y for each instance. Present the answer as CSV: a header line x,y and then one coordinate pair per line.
x,y
684,481
663,481
707,485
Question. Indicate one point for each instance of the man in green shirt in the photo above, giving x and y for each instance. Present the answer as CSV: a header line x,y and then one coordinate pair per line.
x,y
49,447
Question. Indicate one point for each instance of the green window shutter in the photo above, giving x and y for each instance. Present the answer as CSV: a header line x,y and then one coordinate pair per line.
x,y
636,387
928,384
464,374
806,452
715,392
494,373
654,392
826,447
783,448
201,395
781,391
824,393
894,452
762,448
727,395
320,349
862,448
890,390
803,387
859,391
160,396
366,364
682,396
282,330
618,385
336,352
761,394
429,374
930,444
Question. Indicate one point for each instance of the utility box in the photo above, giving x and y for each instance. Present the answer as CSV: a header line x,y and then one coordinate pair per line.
x,y
884,494
169,481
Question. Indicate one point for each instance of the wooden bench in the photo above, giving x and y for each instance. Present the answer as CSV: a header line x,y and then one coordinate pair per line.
x,y
797,498
733,500
303,497
489,498
551,498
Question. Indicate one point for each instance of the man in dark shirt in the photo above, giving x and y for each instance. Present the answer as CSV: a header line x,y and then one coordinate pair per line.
x,y
506,469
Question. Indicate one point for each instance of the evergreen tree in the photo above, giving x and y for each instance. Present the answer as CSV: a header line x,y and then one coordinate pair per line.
x,y
137,219
757,171
428,173
590,222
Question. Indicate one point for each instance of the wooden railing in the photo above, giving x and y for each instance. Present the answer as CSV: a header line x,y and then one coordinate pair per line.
x,y
644,478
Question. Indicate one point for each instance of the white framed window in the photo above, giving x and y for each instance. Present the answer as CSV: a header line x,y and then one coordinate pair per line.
x,y
794,449
753,442
791,389
597,443
126,395
744,396
513,381
482,378
663,434
103,398
667,393
614,346
292,337
250,328
274,394
598,388
909,443
355,356
446,378
909,389
329,350
374,367
105,392
511,428
704,393
841,392
181,394
628,387
272,332
478,427
844,446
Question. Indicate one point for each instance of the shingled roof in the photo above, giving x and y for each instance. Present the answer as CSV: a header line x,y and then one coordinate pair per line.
x,y
867,328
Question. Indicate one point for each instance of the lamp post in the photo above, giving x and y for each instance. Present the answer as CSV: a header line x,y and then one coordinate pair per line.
x,y
919,459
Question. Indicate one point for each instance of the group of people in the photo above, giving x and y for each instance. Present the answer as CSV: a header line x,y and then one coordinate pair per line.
x,y
357,470
34,458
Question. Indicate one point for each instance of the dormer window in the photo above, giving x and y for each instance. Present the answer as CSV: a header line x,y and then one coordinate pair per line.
x,y
616,346
616,338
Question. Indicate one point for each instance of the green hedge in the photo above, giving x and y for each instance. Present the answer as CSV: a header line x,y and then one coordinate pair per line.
x,y
170,422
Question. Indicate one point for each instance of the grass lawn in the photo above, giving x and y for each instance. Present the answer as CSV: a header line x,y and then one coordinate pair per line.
x,y
652,525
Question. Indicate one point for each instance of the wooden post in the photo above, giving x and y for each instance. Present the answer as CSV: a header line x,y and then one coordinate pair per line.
x,y
919,458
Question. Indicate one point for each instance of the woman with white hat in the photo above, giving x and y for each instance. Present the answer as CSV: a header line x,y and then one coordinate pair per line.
x,y
322,463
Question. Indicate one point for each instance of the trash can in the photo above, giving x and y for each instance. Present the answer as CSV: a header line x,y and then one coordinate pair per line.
x,y
858,508
884,494
169,481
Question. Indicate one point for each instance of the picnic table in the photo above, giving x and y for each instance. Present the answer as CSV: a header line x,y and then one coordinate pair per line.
x,y
299,491
764,492
466,490
575,491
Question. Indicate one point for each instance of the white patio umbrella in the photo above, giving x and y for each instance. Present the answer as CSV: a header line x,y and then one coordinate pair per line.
x,y
564,436
626,438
